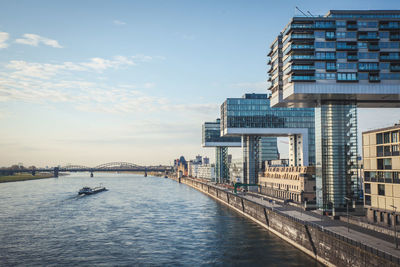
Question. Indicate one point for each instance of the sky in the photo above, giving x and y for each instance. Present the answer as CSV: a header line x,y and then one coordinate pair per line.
x,y
90,82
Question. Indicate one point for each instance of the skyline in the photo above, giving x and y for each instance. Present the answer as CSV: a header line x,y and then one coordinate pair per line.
x,y
134,81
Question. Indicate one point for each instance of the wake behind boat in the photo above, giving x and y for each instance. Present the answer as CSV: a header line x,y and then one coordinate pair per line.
x,y
90,191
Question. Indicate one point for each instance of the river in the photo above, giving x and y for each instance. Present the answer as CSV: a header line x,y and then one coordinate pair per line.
x,y
140,221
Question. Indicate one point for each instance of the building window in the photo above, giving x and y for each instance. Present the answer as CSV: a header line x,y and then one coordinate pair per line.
x,y
381,189
368,200
395,137
349,76
382,217
386,138
379,151
367,188
387,164
330,35
379,138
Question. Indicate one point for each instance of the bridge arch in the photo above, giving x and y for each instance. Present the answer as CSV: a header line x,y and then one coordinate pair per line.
x,y
118,165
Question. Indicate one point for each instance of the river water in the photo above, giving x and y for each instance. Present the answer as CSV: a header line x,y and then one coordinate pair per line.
x,y
139,221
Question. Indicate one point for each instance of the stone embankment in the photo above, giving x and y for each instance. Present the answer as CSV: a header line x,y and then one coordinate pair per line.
x,y
323,244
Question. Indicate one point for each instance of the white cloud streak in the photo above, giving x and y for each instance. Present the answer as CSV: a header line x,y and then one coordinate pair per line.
x,y
35,40
119,22
48,83
3,38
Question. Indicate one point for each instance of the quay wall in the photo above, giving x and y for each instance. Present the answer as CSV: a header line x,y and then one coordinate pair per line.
x,y
325,246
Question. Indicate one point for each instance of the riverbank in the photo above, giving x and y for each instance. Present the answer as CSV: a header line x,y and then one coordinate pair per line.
x,y
24,177
328,241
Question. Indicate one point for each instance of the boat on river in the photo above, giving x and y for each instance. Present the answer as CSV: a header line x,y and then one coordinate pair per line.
x,y
90,191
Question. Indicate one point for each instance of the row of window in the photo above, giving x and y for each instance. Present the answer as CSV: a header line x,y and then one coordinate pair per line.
x,y
352,76
387,137
387,176
365,35
382,151
343,55
349,45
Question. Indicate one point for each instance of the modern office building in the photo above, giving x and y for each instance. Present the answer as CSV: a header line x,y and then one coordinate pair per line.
x,y
336,63
211,138
252,118
296,183
381,174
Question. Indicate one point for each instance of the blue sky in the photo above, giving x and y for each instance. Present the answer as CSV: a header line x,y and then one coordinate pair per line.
x,y
90,82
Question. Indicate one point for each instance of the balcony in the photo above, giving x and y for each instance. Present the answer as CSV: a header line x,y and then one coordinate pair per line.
x,y
302,26
390,26
302,47
368,37
302,78
302,36
346,47
373,47
374,79
302,67
395,57
325,25
352,27
302,57
394,37
352,57
395,68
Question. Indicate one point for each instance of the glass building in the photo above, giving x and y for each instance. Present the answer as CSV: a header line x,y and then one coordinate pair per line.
x,y
336,63
211,138
252,118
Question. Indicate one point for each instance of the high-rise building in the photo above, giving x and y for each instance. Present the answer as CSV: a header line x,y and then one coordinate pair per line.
x,y
252,118
336,63
381,174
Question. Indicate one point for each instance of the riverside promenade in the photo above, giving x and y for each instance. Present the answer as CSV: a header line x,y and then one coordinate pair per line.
x,y
329,241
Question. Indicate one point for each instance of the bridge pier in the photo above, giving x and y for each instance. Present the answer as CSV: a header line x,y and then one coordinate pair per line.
x,y
56,171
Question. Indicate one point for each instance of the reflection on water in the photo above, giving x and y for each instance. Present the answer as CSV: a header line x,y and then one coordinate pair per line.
x,y
139,221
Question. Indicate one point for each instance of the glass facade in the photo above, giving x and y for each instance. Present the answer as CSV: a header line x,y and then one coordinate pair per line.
x,y
254,111
211,133
268,150
336,155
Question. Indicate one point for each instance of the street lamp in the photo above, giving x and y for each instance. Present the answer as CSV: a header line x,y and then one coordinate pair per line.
x,y
394,225
347,207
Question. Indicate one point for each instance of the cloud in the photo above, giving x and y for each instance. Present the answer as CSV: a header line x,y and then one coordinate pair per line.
x,y
46,83
24,69
35,40
3,38
119,23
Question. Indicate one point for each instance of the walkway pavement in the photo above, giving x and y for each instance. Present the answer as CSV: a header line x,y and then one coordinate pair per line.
x,y
365,236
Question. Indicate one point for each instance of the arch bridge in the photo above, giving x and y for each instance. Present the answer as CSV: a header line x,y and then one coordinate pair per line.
x,y
106,167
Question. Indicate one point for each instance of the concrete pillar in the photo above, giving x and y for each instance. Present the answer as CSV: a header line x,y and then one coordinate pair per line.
x,y
56,170
336,154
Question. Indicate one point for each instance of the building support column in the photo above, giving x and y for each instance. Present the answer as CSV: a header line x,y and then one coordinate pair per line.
x,y
336,154
221,164
250,146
